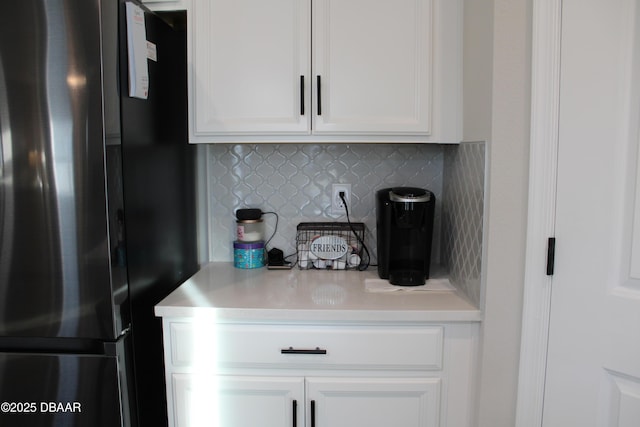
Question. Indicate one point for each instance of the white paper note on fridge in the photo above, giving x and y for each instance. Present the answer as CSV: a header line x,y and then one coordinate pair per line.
x,y
137,47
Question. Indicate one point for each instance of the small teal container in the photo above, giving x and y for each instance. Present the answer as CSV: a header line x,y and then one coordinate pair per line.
x,y
248,255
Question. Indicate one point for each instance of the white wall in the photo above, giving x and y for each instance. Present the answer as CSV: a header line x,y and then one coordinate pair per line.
x,y
295,181
478,69
503,115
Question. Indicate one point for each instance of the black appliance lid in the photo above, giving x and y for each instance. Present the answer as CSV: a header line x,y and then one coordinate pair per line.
x,y
409,195
248,214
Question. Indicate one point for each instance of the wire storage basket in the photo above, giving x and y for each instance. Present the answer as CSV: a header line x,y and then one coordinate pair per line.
x,y
329,245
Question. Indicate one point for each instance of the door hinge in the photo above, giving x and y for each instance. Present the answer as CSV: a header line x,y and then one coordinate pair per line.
x,y
551,255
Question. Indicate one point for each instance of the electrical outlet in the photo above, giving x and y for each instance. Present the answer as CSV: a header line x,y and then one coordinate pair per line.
x,y
337,206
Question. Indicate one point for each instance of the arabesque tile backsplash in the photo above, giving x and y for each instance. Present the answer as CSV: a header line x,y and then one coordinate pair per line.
x,y
294,180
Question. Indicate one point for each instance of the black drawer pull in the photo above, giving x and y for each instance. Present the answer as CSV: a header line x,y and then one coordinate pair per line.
x,y
292,350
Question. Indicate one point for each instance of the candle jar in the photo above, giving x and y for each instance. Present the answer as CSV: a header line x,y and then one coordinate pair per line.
x,y
249,230
248,255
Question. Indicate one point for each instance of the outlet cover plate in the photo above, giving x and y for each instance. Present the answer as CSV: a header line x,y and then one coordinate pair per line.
x,y
337,206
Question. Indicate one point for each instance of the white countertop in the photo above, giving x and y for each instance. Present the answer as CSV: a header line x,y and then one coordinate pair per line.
x,y
223,292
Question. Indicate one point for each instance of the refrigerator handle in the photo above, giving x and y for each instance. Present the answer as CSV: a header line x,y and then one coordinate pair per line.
x,y
125,331
6,155
111,348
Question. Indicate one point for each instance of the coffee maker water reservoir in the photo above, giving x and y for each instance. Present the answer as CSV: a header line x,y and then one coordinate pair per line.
x,y
404,218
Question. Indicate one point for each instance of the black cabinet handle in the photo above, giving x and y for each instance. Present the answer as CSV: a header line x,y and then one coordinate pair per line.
x,y
319,97
313,413
302,95
292,350
295,413
551,255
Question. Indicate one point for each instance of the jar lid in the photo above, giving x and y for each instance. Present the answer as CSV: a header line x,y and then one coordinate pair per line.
x,y
251,245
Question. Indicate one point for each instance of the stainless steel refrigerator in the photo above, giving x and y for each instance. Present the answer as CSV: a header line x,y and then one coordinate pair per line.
x,y
97,217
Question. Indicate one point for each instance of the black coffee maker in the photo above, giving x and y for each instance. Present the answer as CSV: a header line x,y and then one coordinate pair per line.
x,y
404,218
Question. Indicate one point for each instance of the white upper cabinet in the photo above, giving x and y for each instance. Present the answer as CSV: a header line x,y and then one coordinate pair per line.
x,y
374,63
325,70
247,59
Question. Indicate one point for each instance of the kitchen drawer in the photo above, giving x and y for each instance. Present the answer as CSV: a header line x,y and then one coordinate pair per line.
x,y
353,347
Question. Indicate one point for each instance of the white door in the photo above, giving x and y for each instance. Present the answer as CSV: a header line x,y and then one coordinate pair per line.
x,y
373,66
237,401
246,62
373,402
593,365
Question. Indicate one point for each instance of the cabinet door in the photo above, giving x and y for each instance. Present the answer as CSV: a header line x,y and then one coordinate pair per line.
x,y
246,60
379,402
230,401
374,62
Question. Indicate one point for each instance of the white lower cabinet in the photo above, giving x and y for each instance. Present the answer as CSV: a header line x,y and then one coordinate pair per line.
x,y
373,402
228,401
268,375
219,401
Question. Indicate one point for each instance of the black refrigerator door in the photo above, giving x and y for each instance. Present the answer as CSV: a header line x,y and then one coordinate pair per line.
x,y
159,195
49,390
60,273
